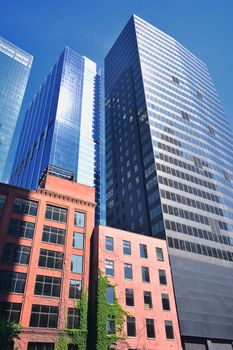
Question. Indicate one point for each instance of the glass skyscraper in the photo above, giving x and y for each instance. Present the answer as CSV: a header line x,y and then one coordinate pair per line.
x,y
169,167
15,66
64,128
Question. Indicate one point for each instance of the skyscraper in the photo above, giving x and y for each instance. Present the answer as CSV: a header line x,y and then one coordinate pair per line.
x,y
15,66
64,128
169,167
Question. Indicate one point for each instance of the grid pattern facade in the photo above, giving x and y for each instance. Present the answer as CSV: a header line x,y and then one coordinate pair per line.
x,y
174,170
15,66
64,127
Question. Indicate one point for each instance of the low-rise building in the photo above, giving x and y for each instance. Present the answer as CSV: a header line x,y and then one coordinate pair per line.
x,y
138,267
44,257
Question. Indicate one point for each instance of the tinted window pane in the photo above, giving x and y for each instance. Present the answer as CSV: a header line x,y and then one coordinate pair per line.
x,y
73,318
10,311
143,250
75,289
25,206
127,247
109,267
147,300
109,245
14,253
159,254
145,274
12,282
78,240
165,302
50,259
110,326
150,328
79,219
77,263
169,330
44,316
128,271
53,235
131,327
110,295
162,277
56,213
20,228
49,286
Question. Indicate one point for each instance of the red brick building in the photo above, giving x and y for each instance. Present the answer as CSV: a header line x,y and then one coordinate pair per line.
x,y
44,257
139,267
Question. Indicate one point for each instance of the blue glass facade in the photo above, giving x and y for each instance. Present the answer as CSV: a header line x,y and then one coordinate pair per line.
x,y
15,66
64,127
169,168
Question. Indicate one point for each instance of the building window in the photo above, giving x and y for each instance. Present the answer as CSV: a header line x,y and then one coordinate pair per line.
x,y
56,213
150,328
2,201
128,271
110,295
48,286
175,79
159,254
185,115
199,94
73,318
131,327
165,301
129,297
50,259
127,247
12,282
77,263
147,300
162,277
18,254
143,251
109,267
10,311
78,240
20,228
79,219
145,274
110,326
40,346
109,243
75,289
44,316
53,235
25,206
169,329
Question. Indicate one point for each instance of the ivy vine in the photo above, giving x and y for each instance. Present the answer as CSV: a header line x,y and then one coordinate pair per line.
x,y
108,311
76,336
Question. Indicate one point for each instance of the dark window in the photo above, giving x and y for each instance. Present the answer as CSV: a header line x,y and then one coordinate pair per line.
x,y
72,347
53,235
73,318
12,282
147,300
131,326
110,295
159,254
56,213
169,329
2,200
77,263
185,115
40,346
145,274
18,254
110,326
199,94
129,297
109,267
75,289
78,240
127,247
128,271
49,286
25,206
10,311
165,301
162,277
109,243
50,259
79,219
44,316
150,328
175,79
143,251
20,228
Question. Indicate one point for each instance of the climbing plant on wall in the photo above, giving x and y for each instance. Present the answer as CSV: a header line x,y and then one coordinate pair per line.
x,y
107,311
76,336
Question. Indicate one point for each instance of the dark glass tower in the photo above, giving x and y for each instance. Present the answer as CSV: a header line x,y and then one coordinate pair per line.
x,y
15,66
64,128
169,167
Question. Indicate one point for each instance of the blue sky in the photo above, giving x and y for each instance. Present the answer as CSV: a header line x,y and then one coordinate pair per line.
x,y
44,27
